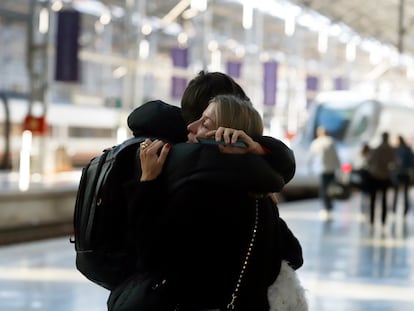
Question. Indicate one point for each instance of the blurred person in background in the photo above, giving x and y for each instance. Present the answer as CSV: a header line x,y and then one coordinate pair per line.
x,y
381,164
360,177
323,150
361,161
404,171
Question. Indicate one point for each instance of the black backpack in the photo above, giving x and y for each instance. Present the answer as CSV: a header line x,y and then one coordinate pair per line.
x,y
103,251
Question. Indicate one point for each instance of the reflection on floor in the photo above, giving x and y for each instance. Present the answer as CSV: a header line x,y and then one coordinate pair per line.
x,y
351,266
348,266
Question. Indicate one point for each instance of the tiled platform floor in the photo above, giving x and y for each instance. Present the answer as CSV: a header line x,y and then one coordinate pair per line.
x,y
348,266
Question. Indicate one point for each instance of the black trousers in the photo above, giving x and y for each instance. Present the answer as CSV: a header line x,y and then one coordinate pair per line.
x,y
379,185
326,179
401,180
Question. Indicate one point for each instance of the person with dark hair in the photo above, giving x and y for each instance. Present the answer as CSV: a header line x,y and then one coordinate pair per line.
x,y
403,173
360,177
381,163
201,89
274,167
205,220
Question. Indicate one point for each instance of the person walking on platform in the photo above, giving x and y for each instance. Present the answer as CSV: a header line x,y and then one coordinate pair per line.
x,y
361,162
360,177
403,173
324,151
381,163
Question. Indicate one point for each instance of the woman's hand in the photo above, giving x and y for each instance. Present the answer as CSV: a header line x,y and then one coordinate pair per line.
x,y
230,136
151,162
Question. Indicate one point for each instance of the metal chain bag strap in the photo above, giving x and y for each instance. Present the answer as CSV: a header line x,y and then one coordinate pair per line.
x,y
232,303
147,292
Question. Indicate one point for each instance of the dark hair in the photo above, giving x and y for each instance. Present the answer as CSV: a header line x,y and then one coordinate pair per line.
x,y
401,141
365,148
202,89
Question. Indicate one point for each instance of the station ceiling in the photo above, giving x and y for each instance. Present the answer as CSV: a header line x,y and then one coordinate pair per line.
x,y
388,21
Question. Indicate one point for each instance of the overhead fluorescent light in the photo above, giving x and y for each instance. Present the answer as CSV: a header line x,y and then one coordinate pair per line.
x,y
247,15
176,11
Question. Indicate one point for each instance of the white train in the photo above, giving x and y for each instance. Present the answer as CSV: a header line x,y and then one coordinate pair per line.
x,y
352,120
75,133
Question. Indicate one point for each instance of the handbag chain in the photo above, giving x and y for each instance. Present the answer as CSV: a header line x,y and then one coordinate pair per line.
x,y
232,304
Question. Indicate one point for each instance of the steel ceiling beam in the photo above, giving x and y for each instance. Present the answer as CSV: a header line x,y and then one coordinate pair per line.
x,y
401,28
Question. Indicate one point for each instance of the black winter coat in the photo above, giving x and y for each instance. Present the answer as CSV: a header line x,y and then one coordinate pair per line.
x,y
194,224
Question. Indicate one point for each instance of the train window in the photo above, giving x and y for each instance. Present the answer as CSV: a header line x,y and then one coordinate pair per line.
x,y
361,125
84,132
360,128
334,120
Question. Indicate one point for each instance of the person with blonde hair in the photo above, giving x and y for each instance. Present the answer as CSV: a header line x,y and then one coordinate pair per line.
x,y
205,220
233,113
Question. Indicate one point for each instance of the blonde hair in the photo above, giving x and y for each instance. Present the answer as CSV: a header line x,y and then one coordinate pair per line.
x,y
237,113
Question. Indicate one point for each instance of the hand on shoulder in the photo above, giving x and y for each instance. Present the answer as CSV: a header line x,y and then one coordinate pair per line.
x,y
230,136
152,156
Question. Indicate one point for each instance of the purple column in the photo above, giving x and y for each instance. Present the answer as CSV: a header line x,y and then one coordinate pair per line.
x,y
179,58
340,84
67,46
233,69
269,83
312,86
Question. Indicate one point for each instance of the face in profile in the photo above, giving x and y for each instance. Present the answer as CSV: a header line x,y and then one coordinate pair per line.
x,y
206,123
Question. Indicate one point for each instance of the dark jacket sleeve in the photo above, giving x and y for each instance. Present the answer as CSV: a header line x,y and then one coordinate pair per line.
x,y
291,248
280,157
145,200
141,196
189,163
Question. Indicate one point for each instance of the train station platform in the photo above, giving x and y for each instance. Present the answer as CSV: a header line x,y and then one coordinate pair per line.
x,y
348,265
47,202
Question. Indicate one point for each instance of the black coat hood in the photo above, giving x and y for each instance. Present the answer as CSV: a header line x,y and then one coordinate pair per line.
x,y
158,119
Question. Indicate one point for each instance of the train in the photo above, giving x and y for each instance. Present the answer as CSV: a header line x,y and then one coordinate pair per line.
x,y
352,119
73,134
